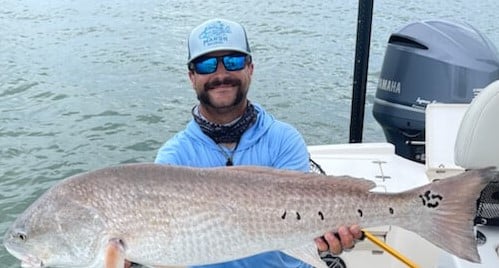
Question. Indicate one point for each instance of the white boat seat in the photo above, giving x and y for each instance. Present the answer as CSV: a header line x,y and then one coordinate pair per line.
x,y
477,141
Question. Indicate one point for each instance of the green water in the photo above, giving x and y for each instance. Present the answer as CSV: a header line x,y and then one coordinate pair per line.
x,y
88,84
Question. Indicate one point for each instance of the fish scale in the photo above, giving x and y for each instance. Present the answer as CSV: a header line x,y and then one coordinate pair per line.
x,y
171,215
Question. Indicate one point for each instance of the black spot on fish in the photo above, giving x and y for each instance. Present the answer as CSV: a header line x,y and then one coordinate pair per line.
x,y
360,212
422,199
391,210
433,205
430,200
283,215
321,215
436,196
427,195
298,217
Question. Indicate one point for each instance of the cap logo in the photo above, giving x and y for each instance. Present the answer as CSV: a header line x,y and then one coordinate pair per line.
x,y
215,34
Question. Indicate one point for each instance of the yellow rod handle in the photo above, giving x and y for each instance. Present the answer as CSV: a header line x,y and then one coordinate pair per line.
x,y
389,249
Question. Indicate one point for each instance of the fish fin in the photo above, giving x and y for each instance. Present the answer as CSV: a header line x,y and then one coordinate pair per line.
x,y
308,254
449,210
115,254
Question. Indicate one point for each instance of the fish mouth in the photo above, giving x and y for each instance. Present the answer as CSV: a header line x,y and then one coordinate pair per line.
x,y
27,260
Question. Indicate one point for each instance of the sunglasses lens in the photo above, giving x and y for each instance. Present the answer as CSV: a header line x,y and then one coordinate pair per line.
x,y
234,63
206,66
209,65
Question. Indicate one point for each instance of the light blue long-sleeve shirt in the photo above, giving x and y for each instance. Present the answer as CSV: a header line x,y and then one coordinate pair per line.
x,y
268,142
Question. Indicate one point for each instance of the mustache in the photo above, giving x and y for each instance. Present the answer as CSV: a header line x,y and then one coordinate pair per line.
x,y
218,82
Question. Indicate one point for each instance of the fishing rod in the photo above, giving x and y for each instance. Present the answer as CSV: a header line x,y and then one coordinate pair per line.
x,y
389,249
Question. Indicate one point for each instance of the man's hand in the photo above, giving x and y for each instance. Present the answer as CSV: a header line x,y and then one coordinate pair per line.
x,y
337,242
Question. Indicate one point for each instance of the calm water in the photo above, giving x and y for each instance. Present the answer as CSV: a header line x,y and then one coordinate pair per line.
x,y
88,84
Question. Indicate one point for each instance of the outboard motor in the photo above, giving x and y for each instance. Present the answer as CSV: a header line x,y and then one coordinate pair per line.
x,y
426,62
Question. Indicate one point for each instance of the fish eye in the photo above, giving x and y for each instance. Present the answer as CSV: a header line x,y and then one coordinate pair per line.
x,y
21,236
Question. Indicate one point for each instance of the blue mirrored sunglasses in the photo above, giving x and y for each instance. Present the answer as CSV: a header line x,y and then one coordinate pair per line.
x,y
208,65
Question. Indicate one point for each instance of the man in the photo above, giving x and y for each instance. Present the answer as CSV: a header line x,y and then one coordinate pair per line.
x,y
228,129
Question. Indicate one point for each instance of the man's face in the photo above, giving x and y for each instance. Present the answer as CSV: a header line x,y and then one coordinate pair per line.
x,y
222,88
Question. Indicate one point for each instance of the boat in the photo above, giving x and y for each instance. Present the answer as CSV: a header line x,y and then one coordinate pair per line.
x,y
437,100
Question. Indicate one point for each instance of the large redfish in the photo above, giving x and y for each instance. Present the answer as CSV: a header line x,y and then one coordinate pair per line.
x,y
160,215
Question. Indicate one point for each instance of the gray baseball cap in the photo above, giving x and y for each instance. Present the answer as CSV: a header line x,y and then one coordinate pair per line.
x,y
215,35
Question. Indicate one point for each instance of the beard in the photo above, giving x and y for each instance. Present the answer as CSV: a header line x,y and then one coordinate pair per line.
x,y
204,97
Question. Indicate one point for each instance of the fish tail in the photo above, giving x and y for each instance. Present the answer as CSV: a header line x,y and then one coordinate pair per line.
x,y
450,207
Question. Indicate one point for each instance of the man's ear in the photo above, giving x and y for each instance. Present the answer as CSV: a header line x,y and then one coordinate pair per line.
x,y
250,68
191,77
